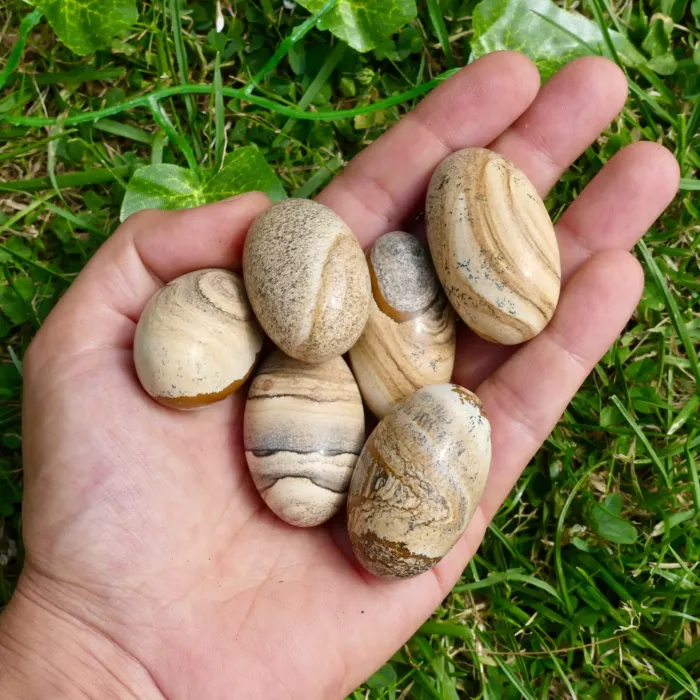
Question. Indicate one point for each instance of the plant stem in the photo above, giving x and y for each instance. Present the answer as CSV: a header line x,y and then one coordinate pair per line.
x,y
144,100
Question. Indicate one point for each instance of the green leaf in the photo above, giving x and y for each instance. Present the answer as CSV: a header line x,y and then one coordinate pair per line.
x,y
14,306
550,36
364,23
657,42
385,677
663,65
86,25
165,186
609,523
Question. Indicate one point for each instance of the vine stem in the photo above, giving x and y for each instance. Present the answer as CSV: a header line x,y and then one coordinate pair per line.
x,y
147,100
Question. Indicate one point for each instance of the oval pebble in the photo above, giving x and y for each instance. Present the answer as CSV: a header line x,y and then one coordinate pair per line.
x,y
307,279
493,245
303,430
418,481
409,340
197,340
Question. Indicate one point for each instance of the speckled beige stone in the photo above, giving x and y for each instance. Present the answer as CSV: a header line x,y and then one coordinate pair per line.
x,y
418,481
409,339
197,340
493,245
303,430
307,279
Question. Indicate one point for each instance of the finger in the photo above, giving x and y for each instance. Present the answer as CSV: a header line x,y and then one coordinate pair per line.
x,y
147,250
568,114
619,205
383,184
612,213
525,397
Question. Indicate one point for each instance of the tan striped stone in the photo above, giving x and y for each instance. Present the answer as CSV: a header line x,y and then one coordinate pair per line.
x,y
493,246
197,340
409,339
418,481
304,427
307,279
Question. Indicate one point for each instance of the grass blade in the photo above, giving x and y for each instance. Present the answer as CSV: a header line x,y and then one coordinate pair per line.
x,y
81,179
297,34
183,70
673,311
693,469
26,26
179,140
642,437
438,22
219,122
125,131
686,412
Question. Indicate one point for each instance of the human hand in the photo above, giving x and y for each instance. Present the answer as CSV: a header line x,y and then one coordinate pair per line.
x,y
153,568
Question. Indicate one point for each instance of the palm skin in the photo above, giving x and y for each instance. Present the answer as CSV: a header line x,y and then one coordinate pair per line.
x,y
143,530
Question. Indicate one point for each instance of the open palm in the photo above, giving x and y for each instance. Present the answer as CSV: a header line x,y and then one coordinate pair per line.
x,y
144,532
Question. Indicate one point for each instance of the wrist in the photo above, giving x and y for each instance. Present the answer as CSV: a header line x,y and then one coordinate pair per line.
x,y
46,653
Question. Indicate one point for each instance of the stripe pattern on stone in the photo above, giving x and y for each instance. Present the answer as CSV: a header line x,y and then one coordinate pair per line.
x,y
303,431
493,246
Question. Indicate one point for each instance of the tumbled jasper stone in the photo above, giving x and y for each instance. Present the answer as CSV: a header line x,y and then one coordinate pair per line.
x,y
304,428
493,245
197,340
418,481
409,339
307,279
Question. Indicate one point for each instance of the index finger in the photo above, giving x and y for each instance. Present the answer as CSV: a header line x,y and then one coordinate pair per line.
x,y
384,183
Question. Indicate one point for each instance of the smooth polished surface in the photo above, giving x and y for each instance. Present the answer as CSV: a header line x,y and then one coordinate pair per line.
x,y
493,245
418,481
197,340
303,430
409,339
307,279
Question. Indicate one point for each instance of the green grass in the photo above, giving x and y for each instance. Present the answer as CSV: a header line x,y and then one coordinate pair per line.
x,y
587,584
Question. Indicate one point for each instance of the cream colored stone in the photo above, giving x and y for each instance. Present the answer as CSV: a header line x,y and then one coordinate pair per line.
x,y
493,245
307,279
303,430
409,340
197,340
418,481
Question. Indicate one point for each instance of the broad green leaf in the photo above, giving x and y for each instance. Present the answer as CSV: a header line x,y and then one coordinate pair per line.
x,y
385,677
13,306
663,65
87,25
657,42
609,523
364,23
166,186
550,36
